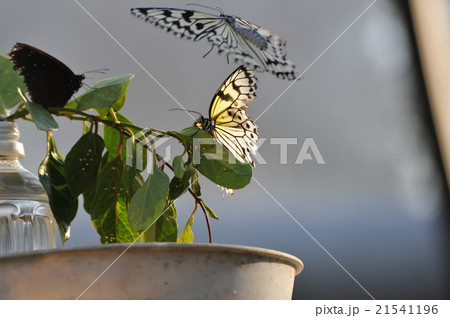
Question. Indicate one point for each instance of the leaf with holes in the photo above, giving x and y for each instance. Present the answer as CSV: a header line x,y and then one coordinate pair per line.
x,y
83,162
108,208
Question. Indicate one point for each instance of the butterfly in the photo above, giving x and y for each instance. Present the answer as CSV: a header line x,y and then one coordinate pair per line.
x,y
49,81
228,122
239,39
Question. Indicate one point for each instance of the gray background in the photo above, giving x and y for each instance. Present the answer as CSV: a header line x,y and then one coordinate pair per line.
x,y
377,205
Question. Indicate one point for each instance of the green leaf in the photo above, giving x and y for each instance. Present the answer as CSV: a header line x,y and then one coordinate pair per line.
x,y
112,223
215,162
88,196
148,202
187,236
9,81
188,131
136,180
89,193
106,93
184,136
195,185
117,105
178,166
51,174
41,117
83,162
210,211
86,127
178,186
108,207
165,228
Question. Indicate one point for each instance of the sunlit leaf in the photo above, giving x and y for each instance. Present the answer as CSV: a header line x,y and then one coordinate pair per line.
x,y
187,236
106,93
10,80
210,211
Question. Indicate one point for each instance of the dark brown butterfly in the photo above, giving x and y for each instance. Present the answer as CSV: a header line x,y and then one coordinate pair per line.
x,y
49,81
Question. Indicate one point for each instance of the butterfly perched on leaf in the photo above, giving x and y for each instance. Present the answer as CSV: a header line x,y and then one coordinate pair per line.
x,y
239,39
49,81
228,122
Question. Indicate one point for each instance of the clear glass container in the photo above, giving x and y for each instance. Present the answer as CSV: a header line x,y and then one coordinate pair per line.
x,y
26,221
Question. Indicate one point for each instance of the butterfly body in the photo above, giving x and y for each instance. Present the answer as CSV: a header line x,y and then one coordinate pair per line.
x,y
205,123
239,39
243,28
228,122
49,81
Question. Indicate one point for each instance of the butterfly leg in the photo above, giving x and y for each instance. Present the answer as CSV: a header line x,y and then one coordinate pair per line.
x,y
212,46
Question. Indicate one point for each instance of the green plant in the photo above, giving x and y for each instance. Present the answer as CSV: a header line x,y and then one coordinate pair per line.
x,y
125,203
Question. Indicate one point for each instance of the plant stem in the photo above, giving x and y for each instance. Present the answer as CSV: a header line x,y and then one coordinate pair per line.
x,y
197,201
17,115
207,220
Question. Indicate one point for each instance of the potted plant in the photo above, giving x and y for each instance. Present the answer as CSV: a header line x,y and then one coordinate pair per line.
x,y
130,203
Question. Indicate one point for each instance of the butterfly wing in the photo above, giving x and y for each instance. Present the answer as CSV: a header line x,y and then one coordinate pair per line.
x,y
231,125
49,81
187,24
261,49
239,39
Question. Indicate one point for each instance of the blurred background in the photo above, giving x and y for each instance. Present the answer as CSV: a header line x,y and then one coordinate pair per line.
x,y
379,205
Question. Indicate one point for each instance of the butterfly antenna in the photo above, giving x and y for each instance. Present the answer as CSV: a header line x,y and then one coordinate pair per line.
x,y
85,85
187,111
207,7
220,10
100,70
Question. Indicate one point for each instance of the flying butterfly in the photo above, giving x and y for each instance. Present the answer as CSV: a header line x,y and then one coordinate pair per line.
x,y
228,122
239,39
49,81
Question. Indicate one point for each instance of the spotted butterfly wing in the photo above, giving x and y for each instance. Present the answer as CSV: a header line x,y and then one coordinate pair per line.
x,y
49,81
239,39
228,121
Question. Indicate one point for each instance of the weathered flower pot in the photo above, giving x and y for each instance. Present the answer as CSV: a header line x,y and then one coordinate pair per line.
x,y
150,271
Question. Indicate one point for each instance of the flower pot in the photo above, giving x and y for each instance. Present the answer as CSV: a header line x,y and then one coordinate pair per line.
x,y
150,271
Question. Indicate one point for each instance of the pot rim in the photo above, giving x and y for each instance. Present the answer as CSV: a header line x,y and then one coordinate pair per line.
x,y
264,252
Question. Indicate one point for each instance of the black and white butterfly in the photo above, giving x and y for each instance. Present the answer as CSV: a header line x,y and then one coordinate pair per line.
x,y
239,39
228,122
49,81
